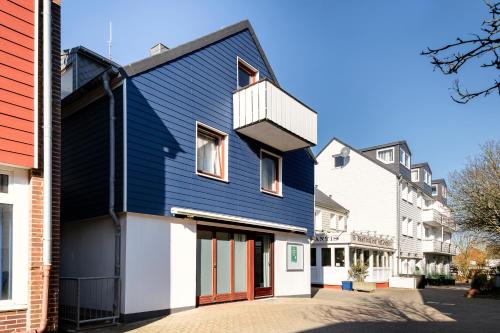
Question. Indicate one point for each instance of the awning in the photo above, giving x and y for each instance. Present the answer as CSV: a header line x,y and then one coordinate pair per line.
x,y
235,219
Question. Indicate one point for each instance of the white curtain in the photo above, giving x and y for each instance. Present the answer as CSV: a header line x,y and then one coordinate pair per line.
x,y
386,155
269,174
266,262
208,154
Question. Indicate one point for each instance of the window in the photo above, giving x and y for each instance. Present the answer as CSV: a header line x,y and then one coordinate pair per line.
x,y
427,177
342,225
410,228
419,230
434,190
333,221
318,216
419,200
339,161
411,190
313,256
339,257
4,183
326,256
211,152
246,74
366,257
5,251
404,192
444,192
386,155
404,226
270,173
414,175
404,158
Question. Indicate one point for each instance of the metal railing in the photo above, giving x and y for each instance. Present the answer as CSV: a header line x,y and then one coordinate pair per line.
x,y
89,300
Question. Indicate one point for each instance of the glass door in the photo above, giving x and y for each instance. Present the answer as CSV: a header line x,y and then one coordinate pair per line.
x,y
263,267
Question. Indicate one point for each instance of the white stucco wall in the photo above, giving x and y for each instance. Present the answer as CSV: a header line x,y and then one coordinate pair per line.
x,y
160,263
367,190
290,283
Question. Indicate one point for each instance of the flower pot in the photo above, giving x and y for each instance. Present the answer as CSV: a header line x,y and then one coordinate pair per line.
x,y
347,285
364,286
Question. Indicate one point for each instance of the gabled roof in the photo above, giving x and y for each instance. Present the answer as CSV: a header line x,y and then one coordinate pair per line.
x,y
439,181
326,201
420,165
181,50
390,144
95,56
360,153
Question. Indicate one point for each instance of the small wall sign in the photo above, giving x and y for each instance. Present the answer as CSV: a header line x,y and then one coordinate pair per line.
x,y
294,257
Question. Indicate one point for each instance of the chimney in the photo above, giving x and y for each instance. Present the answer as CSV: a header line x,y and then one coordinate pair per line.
x,y
157,49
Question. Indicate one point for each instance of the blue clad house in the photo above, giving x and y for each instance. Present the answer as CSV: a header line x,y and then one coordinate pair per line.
x,y
188,175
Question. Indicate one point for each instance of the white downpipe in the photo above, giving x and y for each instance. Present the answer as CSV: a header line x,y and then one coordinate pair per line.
x,y
47,133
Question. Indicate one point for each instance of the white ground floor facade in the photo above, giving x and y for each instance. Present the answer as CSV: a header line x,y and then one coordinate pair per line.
x,y
170,264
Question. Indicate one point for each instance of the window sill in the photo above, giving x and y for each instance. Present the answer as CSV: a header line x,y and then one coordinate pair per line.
x,y
212,177
279,195
8,305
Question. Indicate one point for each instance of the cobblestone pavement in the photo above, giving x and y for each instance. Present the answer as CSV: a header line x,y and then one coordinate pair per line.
x,y
385,310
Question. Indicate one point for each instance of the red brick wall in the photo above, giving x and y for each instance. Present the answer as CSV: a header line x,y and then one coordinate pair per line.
x,y
21,320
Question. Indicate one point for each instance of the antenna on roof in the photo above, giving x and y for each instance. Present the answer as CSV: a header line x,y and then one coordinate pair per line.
x,y
110,41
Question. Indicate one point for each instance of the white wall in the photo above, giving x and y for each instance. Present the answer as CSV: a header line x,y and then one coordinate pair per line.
x,y
160,263
289,283
367,190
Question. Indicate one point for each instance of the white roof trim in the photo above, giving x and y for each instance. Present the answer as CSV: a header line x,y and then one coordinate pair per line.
x,y
235,219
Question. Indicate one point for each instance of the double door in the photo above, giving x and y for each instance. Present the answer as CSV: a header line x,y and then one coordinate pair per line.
x,y
232,265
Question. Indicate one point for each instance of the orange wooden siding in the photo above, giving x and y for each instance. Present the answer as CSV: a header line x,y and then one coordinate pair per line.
x,y
17,85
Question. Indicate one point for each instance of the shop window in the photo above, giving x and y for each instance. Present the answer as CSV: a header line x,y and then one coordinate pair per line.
x,y
313,256
366,257
326,256
339,257
5,251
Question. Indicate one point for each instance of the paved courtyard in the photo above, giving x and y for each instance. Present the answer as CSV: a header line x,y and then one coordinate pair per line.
x,y
385,310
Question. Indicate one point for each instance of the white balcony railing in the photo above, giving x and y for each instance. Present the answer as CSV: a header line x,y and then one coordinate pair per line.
x,y
434,217
436,246
270,115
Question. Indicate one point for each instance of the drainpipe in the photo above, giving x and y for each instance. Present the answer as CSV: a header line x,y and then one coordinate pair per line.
x,y
398,216
112,176
47,162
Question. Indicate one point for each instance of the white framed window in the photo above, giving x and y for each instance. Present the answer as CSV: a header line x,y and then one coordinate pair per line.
x,y
404,158
318,219
386,155
211,152
404,226
434,190
246,73
427,178
342,222
270,173
445,192
410,228
333,221
411,190
419,200
419,230
415,175
404,192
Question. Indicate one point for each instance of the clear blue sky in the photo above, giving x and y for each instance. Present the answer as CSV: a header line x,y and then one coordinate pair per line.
x,y
356,63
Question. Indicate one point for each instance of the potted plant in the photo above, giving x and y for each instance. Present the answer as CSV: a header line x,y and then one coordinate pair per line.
x,y
358,272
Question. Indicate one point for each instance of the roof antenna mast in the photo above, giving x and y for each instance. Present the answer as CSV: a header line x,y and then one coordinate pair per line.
x,y
110,41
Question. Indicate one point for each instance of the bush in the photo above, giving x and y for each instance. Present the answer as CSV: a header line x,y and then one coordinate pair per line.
x,y
358,272
479,281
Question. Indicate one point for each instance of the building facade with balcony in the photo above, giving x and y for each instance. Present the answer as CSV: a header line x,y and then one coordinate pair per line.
x,y
337,244
29,165
213,185
387,195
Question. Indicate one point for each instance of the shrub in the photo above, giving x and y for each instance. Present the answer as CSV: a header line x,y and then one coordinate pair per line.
x,y
479,281
358,272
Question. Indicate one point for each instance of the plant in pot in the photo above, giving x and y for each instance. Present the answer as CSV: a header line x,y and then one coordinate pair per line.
x,y
358,272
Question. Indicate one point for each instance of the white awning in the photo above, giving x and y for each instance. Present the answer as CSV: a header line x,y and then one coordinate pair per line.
x,y
236,219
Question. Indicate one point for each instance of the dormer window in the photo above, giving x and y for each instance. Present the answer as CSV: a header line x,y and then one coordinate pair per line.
x,y
404,158
246,74
386,155
434,190
414,175
427,178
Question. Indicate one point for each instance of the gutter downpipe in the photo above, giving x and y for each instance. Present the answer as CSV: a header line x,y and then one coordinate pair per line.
x,y
47,163
398,253
112,176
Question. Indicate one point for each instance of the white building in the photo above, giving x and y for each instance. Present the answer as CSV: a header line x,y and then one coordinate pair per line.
x,y
388,196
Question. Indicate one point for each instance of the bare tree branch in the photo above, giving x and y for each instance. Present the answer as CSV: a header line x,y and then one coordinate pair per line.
x,y
450,58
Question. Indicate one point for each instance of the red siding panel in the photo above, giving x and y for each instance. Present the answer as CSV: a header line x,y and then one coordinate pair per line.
x,y
17,111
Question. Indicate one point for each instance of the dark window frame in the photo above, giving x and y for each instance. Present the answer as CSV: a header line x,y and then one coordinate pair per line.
x,y
326,260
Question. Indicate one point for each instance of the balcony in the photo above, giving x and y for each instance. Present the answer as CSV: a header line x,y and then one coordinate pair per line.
x,y
435,218
435,246
266,113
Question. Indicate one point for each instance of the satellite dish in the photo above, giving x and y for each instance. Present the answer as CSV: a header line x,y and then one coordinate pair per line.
x,y
345,152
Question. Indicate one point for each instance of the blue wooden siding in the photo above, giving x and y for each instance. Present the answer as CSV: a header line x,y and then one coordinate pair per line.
x,y
85,160
163,107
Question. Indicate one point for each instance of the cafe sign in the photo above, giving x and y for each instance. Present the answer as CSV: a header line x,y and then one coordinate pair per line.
x,y
371,240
